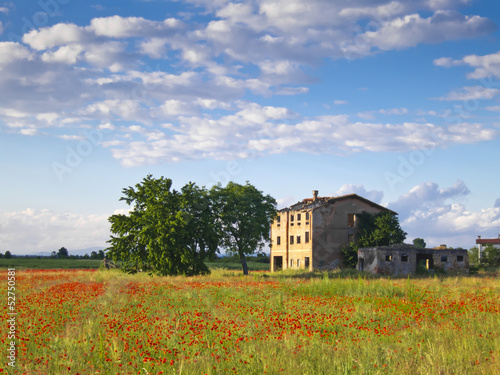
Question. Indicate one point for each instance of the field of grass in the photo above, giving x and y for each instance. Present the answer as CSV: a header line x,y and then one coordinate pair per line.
x,y
48,263
106,322
69,263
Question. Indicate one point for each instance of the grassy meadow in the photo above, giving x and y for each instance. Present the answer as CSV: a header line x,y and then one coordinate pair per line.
x,y
106,322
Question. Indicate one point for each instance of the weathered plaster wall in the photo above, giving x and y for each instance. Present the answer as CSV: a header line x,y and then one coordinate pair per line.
x,y
331,231
403,260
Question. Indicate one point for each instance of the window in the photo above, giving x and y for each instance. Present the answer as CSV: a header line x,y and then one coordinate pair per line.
x,y
291,217
298,217
307,237
291,240
404,258
306,262
444,258
298,263
278,240
298,239
350,220
291,263
388,258
307,216
460,258
278,219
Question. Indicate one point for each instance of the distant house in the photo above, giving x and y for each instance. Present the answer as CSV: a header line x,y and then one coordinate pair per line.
x,y
483,242
401,260
311,233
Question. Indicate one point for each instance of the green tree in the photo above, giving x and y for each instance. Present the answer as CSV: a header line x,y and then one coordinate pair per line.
x,y
380,229
167,232
419,243
7,255
491,256
62,252
100,254
245,216
474,255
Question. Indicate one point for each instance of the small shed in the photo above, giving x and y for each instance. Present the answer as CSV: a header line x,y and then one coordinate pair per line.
x,y
401,260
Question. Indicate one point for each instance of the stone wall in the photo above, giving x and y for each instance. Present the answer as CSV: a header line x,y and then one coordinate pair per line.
x,y
400,260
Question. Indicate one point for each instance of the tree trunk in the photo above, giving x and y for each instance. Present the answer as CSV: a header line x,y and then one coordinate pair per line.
x,y
243,261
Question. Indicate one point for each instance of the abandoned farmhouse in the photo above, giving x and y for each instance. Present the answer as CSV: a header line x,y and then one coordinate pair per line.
x,y
311,233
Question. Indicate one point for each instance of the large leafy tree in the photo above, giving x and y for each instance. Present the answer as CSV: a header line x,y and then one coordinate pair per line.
x,y
381,229
419,243
167,232
244,215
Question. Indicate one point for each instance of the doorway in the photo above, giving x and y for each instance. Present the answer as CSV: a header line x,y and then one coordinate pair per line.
x,y
278,263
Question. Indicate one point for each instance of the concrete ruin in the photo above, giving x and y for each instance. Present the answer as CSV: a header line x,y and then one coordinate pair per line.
x,y
402,260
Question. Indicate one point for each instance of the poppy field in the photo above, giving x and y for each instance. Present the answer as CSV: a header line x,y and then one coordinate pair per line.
x,y
106,322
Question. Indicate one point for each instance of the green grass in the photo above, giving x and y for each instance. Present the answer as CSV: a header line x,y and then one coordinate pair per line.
x,y
49,263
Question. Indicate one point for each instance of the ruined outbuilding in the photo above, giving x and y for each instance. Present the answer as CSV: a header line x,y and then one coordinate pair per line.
x,y
401,260
310,234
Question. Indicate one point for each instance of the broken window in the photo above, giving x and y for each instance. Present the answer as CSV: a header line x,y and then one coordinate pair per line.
x,y
278,240
404,258
307,237
388,258
350,220
460,258
291,240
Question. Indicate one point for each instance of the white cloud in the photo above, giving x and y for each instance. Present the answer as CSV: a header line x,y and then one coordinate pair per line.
x,y
471,93
124,27
49,230
439,215
485,66
57,35
373,195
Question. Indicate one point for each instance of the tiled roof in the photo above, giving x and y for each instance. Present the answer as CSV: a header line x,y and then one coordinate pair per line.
x,y
320,201
488,241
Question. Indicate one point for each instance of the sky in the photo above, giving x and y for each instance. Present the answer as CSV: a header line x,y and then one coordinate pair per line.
x,y
396,101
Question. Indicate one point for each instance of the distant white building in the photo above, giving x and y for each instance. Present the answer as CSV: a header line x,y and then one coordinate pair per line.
x,y
483,242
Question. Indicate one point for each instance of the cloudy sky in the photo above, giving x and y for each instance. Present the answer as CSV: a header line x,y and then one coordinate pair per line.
x,y
397,101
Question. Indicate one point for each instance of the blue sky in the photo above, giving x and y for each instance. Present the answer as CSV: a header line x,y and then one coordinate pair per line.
x,y
397,101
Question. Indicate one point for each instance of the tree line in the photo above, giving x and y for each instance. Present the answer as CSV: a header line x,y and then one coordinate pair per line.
x,y
170,232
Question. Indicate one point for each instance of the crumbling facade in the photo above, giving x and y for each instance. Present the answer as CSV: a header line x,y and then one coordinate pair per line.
x,y
311,233
401,260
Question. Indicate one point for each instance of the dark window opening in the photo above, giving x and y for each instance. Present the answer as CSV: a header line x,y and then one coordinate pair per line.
x,y
291,217
306,262
307,237
388,258
404,258
350,220
298,239
298,217
307,215
425,260
460,258
291,240
278,263
278,240
444,259
278,219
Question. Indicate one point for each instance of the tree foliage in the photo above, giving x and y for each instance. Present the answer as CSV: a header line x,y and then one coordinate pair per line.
x,y
244,214
167,232
491,256
62,253
7,255
419,243
380,229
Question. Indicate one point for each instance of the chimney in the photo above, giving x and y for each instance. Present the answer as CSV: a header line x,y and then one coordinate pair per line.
x,y
315,195
478,237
